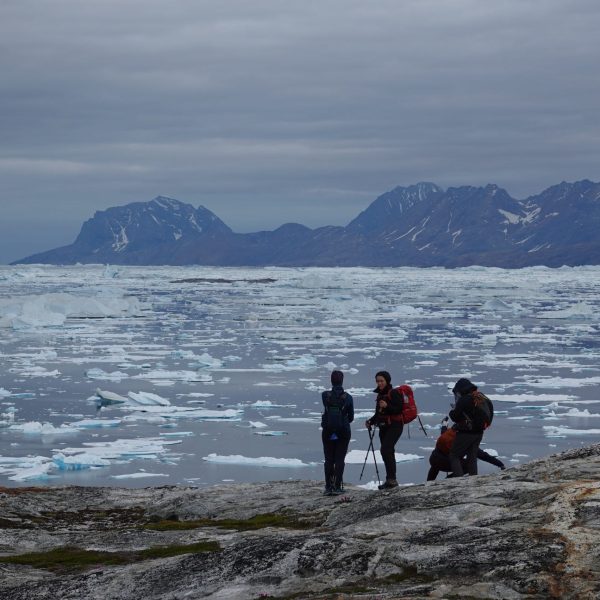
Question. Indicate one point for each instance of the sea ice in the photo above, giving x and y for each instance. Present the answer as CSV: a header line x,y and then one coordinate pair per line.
x,y
78,462
358,457
261,461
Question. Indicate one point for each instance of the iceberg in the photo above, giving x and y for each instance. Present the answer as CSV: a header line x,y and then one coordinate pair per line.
x,y
148,399
78,462
52,310
107,398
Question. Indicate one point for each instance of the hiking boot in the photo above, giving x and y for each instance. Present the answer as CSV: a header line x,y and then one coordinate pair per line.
x,y
389,484
337,491
328,491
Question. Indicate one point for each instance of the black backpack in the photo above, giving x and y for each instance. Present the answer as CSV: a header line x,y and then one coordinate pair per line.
x,y
483,411
335,418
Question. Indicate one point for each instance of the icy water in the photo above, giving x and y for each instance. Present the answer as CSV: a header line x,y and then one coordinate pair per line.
x,y
219,370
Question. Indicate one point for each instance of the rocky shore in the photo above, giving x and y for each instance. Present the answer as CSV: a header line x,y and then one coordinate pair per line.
x,y
528,532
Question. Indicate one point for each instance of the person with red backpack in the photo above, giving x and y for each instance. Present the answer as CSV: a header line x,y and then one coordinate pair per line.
x,y
337,415
388,417
472,414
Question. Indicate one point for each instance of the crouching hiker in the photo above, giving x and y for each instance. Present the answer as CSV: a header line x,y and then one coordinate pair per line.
x,y
472,414
388,417
440,457
335,422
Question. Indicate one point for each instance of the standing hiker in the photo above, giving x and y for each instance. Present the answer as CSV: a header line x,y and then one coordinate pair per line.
x,y
472,414
388,417
335,422
440,457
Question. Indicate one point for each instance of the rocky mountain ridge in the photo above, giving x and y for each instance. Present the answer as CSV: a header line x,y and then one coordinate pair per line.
x,y
419,225
527,532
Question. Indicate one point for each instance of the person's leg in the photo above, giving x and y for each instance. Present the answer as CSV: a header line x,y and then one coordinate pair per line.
x,y
472,454
433,470
439,462
389,436
341,447
329,453
458,450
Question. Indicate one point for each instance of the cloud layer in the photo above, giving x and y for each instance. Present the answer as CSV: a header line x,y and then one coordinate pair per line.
x,y
270,111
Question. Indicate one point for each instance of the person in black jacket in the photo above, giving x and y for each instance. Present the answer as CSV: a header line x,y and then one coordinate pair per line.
x,y
388,417
440,457
335,422
471,419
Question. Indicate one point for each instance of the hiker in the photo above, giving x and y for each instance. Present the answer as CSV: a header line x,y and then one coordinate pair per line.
x,y
472,413
440,460
388,417
335,422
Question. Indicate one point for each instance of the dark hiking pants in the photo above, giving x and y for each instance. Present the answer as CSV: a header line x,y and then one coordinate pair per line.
x,y
335,454
438,461
388,436
465,444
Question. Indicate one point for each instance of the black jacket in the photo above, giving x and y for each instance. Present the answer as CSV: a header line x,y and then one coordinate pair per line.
x,y
394,407
467,417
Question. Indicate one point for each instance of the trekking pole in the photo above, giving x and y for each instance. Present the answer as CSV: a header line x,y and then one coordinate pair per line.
x,y
421,424
372,449
367,454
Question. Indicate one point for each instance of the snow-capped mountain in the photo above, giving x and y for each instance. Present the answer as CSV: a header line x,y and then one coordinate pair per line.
x,y
419,225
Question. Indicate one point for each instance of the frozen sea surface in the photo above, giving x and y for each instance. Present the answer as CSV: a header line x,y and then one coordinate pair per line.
x,y
163,375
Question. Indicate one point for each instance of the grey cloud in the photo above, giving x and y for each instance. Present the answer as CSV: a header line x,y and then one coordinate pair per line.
x,y
267,112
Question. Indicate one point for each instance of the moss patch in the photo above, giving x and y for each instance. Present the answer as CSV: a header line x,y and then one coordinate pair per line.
x,y
257,522
70,558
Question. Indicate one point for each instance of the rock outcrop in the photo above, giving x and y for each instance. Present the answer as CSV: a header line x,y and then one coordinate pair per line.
x,y
528,532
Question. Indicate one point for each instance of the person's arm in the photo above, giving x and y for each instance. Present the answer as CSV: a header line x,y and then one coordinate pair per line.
x,y
395,403
350,407
457,414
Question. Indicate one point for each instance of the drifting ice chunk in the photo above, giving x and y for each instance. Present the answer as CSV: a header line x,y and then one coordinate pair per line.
x,y
96,373
556,431
4,393
270,433
148,399
93,423
52,310
358,457
36,428
27,469
109,397
161,374
139,475
261,461
78,462
257,424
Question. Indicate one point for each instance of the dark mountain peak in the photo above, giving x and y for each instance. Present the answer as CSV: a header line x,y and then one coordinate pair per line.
x,y
292,228
418,225
394,205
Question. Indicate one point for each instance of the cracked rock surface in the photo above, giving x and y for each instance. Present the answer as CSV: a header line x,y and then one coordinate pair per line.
x,y
528,532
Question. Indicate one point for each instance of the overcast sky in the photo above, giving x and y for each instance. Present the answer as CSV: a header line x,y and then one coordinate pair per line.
x,y
269,111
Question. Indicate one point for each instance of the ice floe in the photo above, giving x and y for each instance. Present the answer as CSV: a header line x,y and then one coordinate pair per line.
x,y
261,461
359,456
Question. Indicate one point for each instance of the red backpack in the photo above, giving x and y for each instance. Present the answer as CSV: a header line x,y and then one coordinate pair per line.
x,y
409,407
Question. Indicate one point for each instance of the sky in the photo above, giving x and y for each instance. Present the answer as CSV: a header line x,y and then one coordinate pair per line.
x,y
269,112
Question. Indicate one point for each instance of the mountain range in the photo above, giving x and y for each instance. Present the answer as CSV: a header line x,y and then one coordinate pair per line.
x,y
419,225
